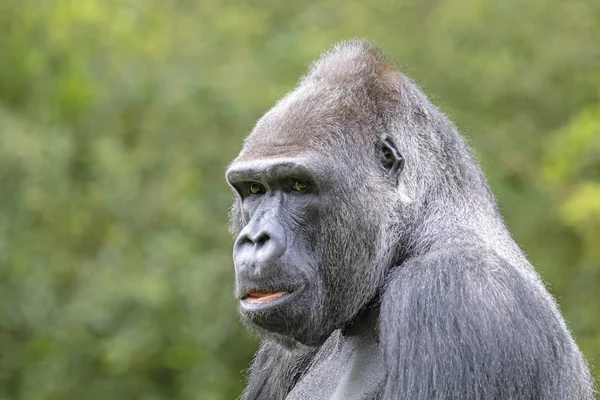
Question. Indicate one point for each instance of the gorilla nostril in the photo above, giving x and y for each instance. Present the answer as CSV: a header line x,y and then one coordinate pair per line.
x,y
245,240
263,239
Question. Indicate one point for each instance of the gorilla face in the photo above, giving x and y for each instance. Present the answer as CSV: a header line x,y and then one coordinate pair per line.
x,y
278,279
312,242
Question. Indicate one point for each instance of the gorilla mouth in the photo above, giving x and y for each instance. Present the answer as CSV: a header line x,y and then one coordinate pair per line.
x,y
262,297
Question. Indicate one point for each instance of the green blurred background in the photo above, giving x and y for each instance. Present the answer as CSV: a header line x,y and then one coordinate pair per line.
x,y
118,118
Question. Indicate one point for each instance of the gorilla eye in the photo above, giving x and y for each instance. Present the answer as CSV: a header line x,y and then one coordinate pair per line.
x,y
256,188
300,186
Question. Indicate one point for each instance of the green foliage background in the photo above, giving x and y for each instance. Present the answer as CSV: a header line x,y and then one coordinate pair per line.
x,y
118,118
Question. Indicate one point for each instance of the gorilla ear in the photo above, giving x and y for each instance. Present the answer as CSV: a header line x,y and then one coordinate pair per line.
x,y
391,159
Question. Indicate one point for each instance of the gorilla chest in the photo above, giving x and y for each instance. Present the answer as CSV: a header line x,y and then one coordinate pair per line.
x,y
349,368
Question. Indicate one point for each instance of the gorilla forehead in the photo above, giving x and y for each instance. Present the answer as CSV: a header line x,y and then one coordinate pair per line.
x,y
336,105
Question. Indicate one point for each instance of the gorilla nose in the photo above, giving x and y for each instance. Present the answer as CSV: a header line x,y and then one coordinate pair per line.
x,y
260,239
255,249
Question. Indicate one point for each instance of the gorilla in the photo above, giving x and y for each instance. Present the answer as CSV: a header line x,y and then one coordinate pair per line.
x,y
372,260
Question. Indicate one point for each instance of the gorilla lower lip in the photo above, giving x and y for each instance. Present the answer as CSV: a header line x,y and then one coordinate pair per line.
x,y
262,297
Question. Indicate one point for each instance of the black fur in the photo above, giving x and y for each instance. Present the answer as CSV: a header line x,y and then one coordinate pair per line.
x,y
360,204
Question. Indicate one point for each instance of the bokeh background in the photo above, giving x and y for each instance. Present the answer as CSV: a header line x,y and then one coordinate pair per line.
x,y
118,118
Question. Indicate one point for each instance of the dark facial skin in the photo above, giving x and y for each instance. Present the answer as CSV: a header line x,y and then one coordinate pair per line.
x,y
275,269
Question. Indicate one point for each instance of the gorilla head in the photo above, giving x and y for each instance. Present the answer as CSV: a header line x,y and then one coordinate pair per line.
x,y
317,185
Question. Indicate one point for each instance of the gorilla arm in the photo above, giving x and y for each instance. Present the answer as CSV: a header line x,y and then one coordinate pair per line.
x,y
463,323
